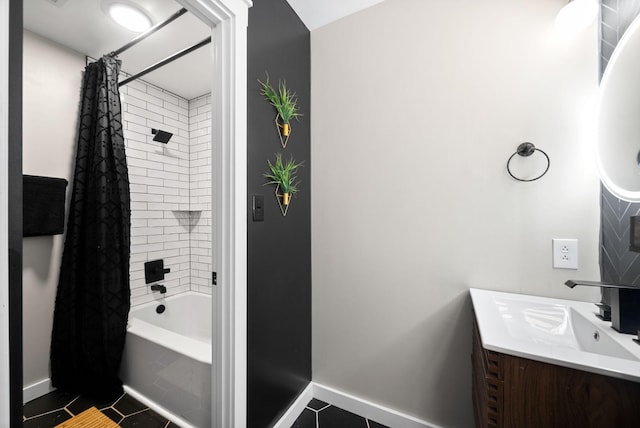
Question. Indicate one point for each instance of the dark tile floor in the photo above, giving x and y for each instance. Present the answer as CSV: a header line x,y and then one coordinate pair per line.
x,y
319,414
57,407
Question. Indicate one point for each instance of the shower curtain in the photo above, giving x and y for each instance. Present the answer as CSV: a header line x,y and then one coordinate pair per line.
x,y
93,296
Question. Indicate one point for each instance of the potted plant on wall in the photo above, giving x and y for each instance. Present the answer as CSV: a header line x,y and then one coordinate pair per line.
x,y
283,175
286,104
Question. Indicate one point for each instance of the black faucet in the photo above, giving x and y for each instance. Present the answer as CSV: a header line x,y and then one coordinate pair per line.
x,y
625,305
159,287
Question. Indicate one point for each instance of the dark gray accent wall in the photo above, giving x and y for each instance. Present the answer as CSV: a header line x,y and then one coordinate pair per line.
x,y
279,248
618,265
616,16
15,210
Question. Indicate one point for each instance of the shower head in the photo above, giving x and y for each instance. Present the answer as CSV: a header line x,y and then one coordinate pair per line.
x,y
161,136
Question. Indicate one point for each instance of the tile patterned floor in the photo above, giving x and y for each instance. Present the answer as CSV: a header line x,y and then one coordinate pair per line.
x,y
57,407
319,414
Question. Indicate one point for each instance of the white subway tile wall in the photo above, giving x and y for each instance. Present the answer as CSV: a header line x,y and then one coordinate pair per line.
x,y
200,193
170,188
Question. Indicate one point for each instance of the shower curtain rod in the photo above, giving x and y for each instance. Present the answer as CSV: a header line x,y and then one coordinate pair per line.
x,y
166,61
149,32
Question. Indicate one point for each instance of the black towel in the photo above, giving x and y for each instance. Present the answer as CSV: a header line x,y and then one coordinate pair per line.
x,y
43,205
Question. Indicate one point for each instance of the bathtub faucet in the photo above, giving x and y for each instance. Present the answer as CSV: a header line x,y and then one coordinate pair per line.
x,y
159,287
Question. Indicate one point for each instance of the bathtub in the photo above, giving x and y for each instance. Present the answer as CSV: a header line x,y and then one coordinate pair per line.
x,y
167,357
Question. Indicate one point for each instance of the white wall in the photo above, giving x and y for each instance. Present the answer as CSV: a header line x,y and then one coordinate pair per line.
x,y
51,94
416,107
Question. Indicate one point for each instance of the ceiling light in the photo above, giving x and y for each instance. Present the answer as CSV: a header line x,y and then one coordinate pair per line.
x,y
576,16
129,15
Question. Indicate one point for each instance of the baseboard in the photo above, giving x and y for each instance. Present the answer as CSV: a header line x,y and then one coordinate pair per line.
x,y
36,390
351,403
156,407
292,413
367,409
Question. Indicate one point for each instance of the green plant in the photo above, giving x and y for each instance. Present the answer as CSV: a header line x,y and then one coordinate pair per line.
x,y
283,174
284,100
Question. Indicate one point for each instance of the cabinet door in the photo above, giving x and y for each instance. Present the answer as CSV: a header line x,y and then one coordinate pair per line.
x,y
543,395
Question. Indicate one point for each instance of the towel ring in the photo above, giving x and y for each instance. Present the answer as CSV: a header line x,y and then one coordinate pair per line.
x,y
525,150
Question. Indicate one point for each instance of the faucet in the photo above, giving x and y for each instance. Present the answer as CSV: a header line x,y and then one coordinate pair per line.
x,y
159,287
625,305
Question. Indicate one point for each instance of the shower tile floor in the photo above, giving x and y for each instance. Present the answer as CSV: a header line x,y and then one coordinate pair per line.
x,y
56,407
319,414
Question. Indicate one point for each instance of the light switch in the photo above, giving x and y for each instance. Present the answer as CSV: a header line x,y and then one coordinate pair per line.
x,y
257,207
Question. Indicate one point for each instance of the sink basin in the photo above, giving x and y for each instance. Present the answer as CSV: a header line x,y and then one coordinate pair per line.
x,y
591,338
562,332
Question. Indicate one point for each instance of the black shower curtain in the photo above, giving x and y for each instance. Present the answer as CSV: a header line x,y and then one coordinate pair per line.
x,y
92,301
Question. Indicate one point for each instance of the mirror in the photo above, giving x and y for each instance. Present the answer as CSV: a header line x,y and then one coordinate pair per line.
x,y
618,134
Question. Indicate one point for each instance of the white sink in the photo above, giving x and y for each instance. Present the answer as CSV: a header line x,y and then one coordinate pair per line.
x,y
562,332
591,338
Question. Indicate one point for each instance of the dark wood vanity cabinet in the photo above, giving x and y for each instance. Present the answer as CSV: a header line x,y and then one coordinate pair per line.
x,y
514,392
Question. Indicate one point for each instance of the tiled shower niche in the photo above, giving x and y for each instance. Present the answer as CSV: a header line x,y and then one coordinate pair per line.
x,y
170,188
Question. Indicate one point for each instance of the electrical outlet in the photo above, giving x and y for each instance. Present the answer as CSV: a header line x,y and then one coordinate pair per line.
x,y
565,253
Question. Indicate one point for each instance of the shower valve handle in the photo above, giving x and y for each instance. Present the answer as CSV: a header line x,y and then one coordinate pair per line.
x,y
154,271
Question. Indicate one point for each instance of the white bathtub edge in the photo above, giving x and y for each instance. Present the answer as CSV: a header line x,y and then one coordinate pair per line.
x,y
157,408
199,351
